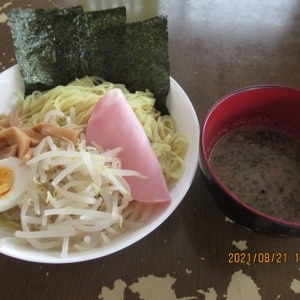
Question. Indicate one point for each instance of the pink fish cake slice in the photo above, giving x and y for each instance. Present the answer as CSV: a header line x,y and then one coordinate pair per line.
x,y
113,124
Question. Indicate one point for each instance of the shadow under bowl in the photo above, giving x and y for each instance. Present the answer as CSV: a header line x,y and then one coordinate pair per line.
x,y
270,106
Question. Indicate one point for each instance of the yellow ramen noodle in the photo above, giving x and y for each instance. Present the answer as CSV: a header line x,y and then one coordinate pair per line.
x,y
77,99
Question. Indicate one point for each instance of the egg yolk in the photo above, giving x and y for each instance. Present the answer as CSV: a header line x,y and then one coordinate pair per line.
x,y
6,180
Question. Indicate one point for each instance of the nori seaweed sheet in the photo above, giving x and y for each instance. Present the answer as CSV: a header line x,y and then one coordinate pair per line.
x,y
68,34
115,55
147,58
61,44
56,46
138,57
101,29
34,47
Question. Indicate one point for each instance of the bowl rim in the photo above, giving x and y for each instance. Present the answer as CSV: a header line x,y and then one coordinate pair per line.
x,y
205,158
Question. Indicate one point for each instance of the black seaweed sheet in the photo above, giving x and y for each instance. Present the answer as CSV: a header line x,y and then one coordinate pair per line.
x,y
56,46
62,44
147,58
68,34
101,36
34,47
138,57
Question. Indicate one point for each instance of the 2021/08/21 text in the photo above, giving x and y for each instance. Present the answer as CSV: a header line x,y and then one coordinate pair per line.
x,y
259,257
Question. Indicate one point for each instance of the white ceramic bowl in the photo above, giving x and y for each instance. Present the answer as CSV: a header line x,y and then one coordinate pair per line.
x,y
186,120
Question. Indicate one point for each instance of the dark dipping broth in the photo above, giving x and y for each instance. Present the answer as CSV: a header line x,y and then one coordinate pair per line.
x,y
262,167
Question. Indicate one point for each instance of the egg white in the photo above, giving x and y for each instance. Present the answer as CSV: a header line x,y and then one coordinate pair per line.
x,y
21,181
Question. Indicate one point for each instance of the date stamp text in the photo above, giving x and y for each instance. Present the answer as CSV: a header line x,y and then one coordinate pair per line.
x,y
260,257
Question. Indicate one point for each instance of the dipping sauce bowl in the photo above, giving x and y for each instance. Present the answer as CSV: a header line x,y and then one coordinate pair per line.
x,y
250,158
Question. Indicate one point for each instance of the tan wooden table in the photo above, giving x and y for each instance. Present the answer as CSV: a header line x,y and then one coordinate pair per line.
x,y
215,48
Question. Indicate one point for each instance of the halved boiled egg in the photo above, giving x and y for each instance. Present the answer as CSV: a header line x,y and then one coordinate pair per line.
x,y
14,180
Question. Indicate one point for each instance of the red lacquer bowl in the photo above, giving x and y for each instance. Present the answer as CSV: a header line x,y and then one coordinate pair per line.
x,y
273,106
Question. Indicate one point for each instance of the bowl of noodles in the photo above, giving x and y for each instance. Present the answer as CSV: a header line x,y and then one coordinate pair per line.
x,y
29,231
